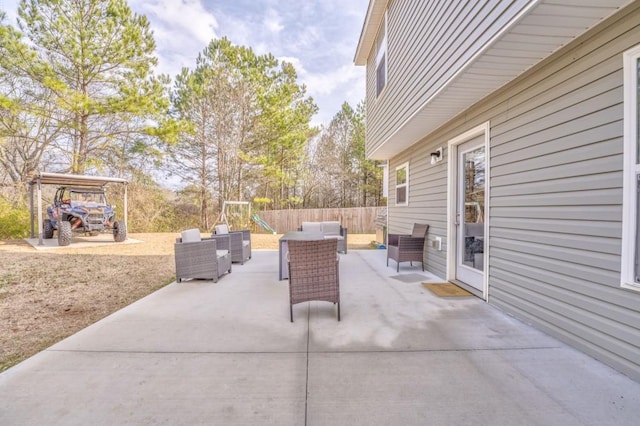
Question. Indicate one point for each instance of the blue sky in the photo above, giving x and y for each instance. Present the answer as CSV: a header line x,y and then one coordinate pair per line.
x,y
318,36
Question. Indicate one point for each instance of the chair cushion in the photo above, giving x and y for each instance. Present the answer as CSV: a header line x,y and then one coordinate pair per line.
x,y
222,253
312,227
245,243
335,237
222,229
191,236
331,228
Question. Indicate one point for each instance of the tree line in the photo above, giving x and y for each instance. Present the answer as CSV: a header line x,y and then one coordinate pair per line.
x,y
79,94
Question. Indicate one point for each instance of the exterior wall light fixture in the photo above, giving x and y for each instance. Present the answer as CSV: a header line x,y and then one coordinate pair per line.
x,y
436,156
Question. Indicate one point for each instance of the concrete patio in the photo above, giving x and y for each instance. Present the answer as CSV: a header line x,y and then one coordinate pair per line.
x,y
225,353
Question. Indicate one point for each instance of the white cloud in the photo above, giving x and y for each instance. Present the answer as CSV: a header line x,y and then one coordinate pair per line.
x,y
331,88
182,29
10,7
245,30
296,62
272,21
326,83
310,38
319,38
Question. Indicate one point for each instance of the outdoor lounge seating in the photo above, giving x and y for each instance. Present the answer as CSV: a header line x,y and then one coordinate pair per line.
x,y
239,242
329,230
200,258
313,272
407,248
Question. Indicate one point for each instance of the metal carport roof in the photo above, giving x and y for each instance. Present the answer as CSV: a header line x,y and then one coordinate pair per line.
x,y
73,180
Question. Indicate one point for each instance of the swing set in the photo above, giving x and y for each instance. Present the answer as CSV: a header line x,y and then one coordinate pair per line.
x,y
237,216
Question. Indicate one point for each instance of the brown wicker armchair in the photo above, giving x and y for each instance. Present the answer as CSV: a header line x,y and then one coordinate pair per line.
x,y
313,272
240,242
407,248
200,258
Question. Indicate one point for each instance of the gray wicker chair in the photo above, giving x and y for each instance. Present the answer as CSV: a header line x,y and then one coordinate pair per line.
x,y
313,272
240,242
407,248
200,259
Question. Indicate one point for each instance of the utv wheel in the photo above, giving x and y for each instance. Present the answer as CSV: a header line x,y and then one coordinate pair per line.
x,y
64,233
47,232
119,231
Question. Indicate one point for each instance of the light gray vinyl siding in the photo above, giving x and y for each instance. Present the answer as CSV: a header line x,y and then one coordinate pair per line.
x,y
427,43
427,202
555,209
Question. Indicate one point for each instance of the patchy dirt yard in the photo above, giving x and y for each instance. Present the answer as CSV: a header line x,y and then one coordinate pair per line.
x,y
46,296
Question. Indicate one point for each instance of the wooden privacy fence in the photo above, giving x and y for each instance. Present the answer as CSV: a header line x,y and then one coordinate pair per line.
x,y
358,220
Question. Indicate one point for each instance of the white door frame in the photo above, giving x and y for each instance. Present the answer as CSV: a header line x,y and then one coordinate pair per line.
x,y
452,191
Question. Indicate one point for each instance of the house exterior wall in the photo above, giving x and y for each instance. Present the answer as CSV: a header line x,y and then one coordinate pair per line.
x,y
427,29
556,155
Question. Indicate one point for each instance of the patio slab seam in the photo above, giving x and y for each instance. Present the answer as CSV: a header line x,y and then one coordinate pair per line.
x,y
309,351
306,383
96,351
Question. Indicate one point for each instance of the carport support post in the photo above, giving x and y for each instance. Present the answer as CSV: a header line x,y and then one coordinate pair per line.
x,y
125,207
33,235
40,212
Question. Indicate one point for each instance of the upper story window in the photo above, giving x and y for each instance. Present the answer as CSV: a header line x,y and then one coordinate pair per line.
x,y
630,268
402,185
381,74
381,57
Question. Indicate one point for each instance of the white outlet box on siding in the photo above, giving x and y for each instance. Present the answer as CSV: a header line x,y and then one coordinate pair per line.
x,y
437,243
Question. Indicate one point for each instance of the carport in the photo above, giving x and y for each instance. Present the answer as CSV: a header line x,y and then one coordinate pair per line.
x,y
60,179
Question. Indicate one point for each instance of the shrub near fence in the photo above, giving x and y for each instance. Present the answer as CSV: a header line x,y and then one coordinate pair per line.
x,y
358,220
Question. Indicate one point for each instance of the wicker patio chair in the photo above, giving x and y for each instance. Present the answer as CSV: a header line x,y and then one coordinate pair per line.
x,y
200,258
407,248
313,272
240,242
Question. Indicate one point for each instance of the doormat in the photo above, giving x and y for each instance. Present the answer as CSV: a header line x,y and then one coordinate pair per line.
x,y
446,289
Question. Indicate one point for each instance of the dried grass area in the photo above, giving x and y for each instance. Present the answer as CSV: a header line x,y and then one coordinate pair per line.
x,y
46,296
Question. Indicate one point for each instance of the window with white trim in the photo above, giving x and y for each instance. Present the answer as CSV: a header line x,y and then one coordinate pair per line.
x,y
630,270
402,185
381,57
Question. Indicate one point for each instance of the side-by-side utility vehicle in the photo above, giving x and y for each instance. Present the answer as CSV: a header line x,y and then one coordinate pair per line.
x,y
82,211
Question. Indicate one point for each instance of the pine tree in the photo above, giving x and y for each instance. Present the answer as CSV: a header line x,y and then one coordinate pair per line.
x,y
96,58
